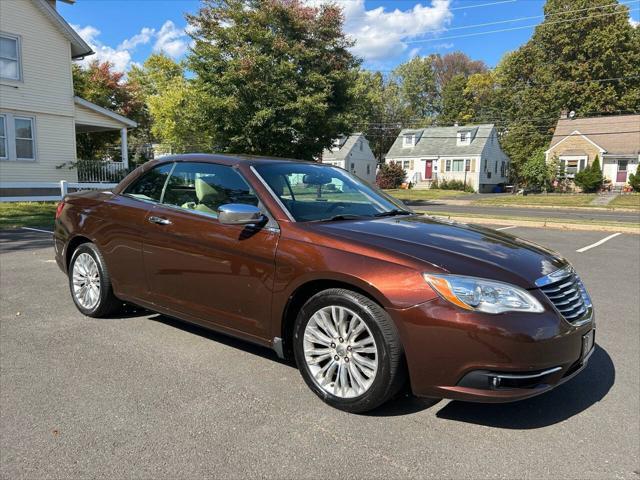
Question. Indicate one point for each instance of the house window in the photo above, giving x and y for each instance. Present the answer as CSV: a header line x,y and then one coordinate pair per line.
x,y
447,167
503,169
17,137
573,166
3,137
458,165
409,140
368,169
353,168
464,138
495,167
360,144
467,165
25,148
9,57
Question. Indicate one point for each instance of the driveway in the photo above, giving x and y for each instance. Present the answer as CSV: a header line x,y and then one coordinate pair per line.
x,y
146,396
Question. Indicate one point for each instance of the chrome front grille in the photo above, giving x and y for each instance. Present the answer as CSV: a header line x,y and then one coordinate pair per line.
x,y
567,293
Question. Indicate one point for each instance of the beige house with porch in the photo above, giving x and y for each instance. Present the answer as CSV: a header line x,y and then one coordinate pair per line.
x,y
614,139
39,114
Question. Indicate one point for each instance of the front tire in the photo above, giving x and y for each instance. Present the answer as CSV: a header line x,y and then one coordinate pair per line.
x,y
90,283
348,350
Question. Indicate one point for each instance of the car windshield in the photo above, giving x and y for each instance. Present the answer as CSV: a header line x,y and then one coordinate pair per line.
x,y
321,192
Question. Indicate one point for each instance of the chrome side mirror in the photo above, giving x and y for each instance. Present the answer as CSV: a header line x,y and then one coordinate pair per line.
x,y
239,214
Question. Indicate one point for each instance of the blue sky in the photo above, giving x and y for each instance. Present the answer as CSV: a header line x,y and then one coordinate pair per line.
x,y
387,32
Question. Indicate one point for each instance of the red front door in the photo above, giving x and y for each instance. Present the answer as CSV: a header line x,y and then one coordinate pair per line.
x,y
622,171
428,169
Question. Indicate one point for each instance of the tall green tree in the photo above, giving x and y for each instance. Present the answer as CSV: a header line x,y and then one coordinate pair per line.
x,y
417,88
155,74
99,83
273,76
561,66
446,67
173,105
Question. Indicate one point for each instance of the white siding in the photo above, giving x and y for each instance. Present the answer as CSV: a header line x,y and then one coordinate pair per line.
x,y
492,154
417,167
89,117
46,84
355,160
44,92
55,145
360,160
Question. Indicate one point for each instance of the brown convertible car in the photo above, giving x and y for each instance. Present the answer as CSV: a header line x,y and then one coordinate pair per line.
x,y
306,259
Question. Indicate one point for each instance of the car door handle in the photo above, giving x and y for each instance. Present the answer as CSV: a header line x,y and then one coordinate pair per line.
x,y
159,220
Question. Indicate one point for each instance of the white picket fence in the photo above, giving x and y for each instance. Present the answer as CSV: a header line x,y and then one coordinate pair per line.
x,y
63,185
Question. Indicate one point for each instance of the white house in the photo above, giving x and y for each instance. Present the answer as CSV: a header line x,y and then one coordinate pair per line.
x,y
614,139
39,114
353,154
470,154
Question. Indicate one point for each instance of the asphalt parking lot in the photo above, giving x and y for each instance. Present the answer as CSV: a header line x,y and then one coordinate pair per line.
x,y
146,396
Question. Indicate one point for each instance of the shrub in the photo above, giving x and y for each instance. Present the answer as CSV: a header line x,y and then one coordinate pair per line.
x,y
537,173
453,185
634,180
390,175
590,179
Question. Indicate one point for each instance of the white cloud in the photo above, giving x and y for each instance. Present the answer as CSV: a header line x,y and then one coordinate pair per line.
x,y
171,40
120,58
634,23
141,38
380,34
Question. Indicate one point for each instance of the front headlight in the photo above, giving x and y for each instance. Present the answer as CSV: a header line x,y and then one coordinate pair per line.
x,y
482,295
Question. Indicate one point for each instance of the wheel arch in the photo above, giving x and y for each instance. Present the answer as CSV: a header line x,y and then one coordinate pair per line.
x,y
304,292
72,246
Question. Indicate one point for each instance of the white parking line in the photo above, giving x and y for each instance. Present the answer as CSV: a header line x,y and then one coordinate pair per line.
x,y
605,239
36,230
507,228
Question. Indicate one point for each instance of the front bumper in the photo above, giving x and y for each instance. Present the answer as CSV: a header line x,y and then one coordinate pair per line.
x,y
459,355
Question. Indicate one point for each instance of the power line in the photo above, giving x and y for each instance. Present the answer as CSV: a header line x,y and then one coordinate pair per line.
x,y
482,136
409,11
511,20
476,34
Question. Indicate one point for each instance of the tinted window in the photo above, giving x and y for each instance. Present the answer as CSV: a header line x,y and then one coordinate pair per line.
x,y
204,187
320,192
150,186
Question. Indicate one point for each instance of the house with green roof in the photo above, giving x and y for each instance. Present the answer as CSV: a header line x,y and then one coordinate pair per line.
x,y
470,154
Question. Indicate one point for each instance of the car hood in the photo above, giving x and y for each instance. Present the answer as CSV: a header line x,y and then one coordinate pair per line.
x,y
456,248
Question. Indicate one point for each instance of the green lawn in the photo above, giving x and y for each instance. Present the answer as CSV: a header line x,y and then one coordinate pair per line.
x,y
428,194
548,200
629,200
27,214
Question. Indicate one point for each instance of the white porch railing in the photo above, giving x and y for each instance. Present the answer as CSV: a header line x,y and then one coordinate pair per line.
x,y
96,171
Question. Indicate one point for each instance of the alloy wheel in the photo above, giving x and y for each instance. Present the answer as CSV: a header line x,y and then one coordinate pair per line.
x,y
340,352
86,281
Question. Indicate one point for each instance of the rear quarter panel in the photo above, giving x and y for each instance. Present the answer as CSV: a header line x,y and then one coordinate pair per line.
x,y
115,224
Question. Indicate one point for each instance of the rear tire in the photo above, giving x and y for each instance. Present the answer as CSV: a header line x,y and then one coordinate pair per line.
x,y
90,283
348,350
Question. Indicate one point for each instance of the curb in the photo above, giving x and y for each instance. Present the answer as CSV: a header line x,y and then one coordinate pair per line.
x,y
559,225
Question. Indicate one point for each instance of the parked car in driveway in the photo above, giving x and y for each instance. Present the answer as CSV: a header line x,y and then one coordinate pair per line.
x,y
306,259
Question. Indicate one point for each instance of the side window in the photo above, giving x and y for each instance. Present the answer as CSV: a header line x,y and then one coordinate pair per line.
x,y
204,187
151,185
